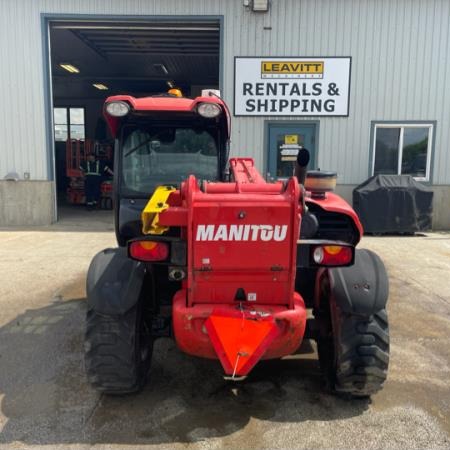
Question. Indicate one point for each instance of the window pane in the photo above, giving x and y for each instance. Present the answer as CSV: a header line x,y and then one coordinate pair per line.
x,y
76,116
77,131
386,150
60,132
415,145
154,156
60,116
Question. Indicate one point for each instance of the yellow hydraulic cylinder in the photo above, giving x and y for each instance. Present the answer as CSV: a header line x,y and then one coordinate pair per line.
x,y
156,205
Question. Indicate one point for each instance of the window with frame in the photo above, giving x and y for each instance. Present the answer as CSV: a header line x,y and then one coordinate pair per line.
x,y
69,123
403,149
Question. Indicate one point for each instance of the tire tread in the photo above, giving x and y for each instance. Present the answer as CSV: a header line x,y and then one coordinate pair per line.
x,y
362,355
111,361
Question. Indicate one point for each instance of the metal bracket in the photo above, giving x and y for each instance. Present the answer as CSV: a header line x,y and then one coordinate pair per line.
x,y
156,205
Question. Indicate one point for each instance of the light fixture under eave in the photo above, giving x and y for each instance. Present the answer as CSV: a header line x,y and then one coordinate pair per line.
x,y
100,86
161,68
260,5
170,84
70,68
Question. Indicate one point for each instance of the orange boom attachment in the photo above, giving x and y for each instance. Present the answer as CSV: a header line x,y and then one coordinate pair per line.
x,y
237,301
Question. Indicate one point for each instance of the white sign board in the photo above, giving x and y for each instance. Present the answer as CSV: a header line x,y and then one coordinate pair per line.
x,y
291,86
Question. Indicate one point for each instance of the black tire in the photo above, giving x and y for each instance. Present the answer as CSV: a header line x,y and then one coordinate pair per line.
x,y
362,354
118,351
353,350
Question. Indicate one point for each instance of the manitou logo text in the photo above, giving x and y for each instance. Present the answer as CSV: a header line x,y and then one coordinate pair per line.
x,y
241,233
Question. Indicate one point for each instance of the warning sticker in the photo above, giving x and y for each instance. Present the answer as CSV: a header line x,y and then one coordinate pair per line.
x,y
290,139
289,152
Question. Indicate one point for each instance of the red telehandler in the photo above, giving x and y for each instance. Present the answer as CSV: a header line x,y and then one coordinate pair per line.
x,y
224,262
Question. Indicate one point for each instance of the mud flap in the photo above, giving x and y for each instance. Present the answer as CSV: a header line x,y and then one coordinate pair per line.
x,y
114,282
363,288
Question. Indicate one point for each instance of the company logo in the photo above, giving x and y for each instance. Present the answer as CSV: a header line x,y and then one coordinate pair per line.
x,y
292,69
241,233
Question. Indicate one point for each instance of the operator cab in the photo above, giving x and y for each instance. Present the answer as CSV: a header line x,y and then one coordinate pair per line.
x,y
161,140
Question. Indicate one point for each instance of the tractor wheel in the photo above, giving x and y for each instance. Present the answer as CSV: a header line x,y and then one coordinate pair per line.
x,y
118,351
353,350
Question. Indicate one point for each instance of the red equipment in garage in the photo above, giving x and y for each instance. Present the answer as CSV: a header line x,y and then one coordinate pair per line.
x,y
76,153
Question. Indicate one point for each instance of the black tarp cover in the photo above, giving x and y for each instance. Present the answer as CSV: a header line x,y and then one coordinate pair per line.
x,y
393,204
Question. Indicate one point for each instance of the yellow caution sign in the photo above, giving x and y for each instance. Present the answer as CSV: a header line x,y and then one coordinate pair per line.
x,y
291,139
156,205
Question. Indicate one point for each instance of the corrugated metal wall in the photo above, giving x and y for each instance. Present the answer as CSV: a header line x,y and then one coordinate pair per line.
x,y
400,69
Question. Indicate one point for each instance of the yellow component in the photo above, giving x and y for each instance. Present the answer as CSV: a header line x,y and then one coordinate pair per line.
x,y
290,139
156,205
175,91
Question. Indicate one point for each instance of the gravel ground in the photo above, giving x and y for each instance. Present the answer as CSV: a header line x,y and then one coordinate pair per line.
x,y
45,399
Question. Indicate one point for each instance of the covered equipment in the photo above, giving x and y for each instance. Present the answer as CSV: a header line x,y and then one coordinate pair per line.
x,y
393,204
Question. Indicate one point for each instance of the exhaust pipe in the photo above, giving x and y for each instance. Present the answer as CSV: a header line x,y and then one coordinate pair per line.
x,y
302,165
310,224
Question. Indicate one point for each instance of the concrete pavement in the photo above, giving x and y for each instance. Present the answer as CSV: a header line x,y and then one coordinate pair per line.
x,y
45,399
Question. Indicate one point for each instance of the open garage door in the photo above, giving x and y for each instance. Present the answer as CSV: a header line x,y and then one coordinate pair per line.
x,y
91,60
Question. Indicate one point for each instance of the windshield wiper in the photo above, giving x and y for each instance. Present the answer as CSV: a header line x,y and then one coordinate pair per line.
x,y
129,152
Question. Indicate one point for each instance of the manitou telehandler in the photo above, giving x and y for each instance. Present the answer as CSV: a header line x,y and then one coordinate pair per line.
x,y
226,263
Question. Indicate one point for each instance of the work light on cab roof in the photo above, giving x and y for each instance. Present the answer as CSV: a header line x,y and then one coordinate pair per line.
x,y
118,109
209,110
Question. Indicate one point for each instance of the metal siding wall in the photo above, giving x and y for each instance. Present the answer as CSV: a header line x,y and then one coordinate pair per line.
x,y
22,142
400,69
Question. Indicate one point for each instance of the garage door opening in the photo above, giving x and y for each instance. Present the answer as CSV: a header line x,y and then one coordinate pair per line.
x,y
93,60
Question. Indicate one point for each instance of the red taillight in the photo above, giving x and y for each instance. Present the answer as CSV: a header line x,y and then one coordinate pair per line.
x,y
332,255
148,250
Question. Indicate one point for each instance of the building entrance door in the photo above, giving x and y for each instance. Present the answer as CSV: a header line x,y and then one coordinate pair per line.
x,y
284,141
